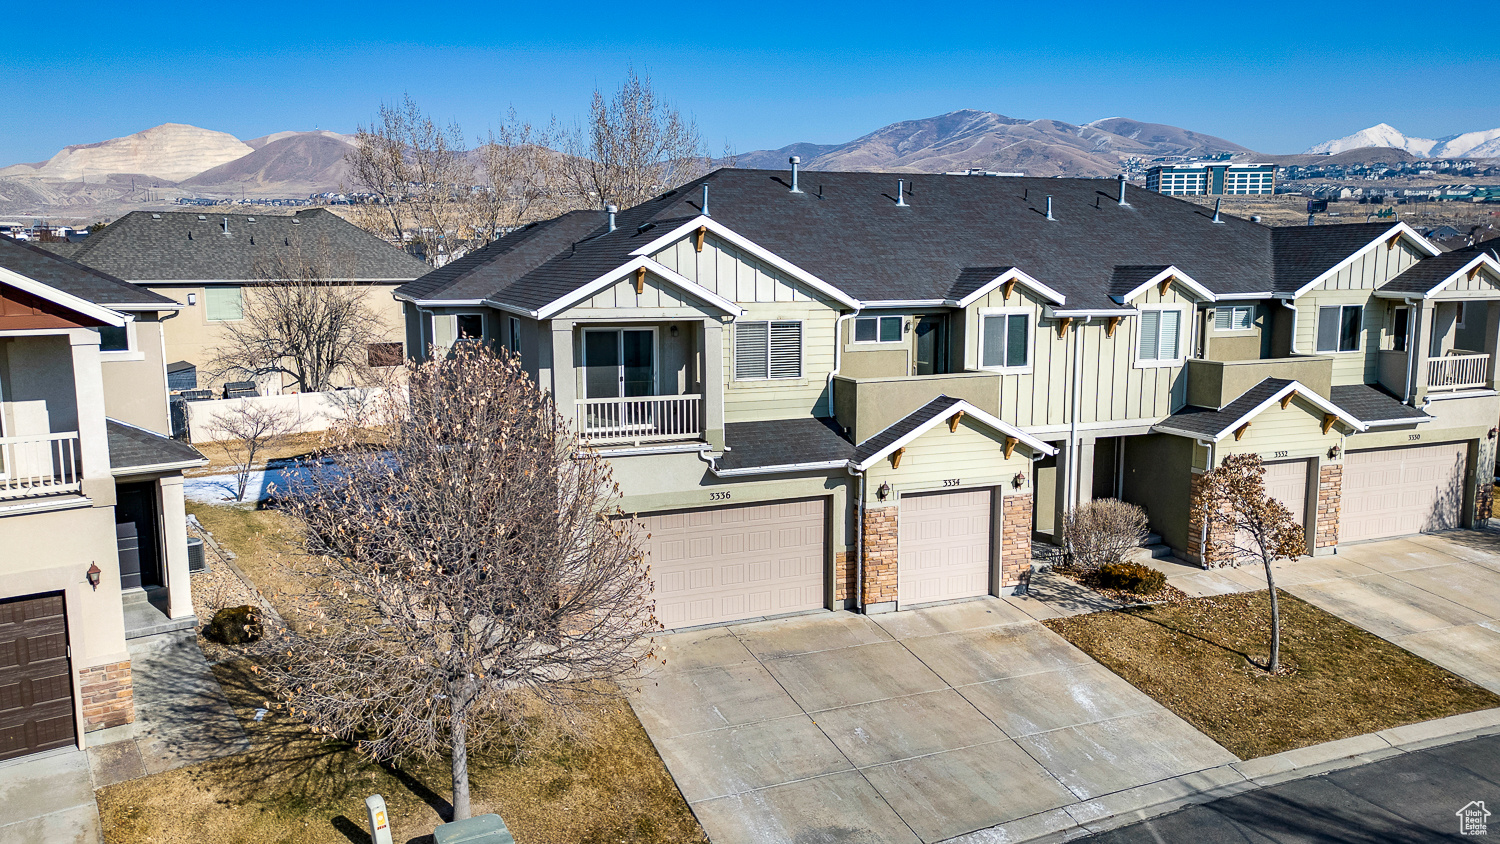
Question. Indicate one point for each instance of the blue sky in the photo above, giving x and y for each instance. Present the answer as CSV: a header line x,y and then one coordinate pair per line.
x,y
1273,77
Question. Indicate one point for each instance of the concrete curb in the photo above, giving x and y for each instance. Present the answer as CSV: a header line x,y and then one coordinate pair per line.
x,y
1122,808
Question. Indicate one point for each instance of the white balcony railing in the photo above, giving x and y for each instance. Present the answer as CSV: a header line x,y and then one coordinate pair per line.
x,y
42,464
641,419
1458,372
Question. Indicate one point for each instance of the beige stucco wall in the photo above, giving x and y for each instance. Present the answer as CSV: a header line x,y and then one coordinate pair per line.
x,y
135,382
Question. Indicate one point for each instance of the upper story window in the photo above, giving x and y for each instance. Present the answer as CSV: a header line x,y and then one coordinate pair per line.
x,y
1338,328
885,329
1005,340
114,338
450,329
1161,336
1234,317
470,327
223,303
767,349
1400,329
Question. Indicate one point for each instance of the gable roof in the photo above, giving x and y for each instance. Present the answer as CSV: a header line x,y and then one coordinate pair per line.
x,y
76,280
1305,255
137,449
1429,276
1375,407
923,419
179,246
1207,423
1129,282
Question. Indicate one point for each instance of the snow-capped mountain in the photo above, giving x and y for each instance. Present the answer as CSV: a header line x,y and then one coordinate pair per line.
x,y
1485,144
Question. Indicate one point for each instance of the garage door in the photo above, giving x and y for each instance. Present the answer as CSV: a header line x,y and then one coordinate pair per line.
x,y
944,546
1287,482
36,687
731,563
1401,491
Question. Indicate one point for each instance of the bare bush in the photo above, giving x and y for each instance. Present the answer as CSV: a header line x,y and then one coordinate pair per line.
x,y
244,431
1102,532
468,581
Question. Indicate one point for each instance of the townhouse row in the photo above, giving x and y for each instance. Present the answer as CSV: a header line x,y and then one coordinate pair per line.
x,y
829,390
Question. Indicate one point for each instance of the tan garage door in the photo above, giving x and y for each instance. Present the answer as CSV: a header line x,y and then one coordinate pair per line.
x,y
731,563
36,682
944,546
1287,482
1401,491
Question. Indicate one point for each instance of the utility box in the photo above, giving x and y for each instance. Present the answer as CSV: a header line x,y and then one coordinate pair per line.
x,y
481,829
380,820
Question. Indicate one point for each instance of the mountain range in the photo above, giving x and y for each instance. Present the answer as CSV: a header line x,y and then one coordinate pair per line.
x,y
1484,144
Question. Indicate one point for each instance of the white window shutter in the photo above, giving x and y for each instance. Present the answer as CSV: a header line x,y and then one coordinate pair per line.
x,y
786,350
751,342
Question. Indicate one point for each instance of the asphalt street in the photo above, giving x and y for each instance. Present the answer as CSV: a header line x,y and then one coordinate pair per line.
x,y
1406,799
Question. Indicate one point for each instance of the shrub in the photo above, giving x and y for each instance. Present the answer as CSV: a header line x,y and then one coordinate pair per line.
x,y
235,625
1102,532
1130,577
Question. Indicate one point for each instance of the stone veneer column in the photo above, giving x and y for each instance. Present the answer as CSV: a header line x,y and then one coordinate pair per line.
x,y
1330,497
1015,538
843,576
1220,541
880,557
108,696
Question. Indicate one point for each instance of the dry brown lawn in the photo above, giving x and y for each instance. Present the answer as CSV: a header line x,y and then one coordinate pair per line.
x,y
293,787
1203,659
291,445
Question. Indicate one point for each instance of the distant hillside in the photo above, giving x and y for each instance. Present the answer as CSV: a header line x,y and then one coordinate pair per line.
x,y
1482,144
308,161
980,139
171,151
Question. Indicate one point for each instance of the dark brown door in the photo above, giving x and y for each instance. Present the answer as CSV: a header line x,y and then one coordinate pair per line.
x,y
36,678
135,531
932,345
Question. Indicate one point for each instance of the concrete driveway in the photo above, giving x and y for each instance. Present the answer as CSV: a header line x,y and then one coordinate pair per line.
x,y
913,726
1436,595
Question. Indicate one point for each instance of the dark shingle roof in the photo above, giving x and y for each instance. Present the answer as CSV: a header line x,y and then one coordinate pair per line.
x,y
783,442
846,229
912,421
1372,404
132,448
1305,252
1428,273
84,282
1210,423
492,271
178,246
1126,279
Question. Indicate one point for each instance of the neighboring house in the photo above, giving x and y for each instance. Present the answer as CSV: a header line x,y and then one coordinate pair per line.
x,y
834,394
210,263
90,490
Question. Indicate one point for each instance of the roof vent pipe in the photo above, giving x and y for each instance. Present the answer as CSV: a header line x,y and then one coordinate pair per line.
x,y
1049,208
1218,203
901,193
794,161
611,210
1123,203
1311,220
705,202
225,226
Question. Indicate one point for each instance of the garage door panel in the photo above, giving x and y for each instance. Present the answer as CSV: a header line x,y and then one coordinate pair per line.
x,y
742,561
1401,491
944,546
36,677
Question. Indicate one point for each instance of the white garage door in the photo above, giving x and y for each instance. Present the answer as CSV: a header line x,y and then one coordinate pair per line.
x,y
731,563
1287,482
943,546
1401,491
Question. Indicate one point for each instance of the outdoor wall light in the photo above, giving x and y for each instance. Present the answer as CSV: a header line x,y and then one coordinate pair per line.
x,y
1019,480
94,575
674,331
1493,432
883,492
192,298
1333,453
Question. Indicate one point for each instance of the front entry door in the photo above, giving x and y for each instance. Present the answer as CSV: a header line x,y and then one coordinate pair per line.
x,y
931,356
619,363
136,532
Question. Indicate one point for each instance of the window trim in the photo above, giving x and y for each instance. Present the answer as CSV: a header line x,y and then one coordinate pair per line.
x,y
429,329
1359,337
132,350
801,351
1184,323
854,330
513,338
618,331
1233,332
1030,315
239,291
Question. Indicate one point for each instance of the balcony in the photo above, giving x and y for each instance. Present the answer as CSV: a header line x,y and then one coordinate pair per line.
x,y
1458,370
867,406
640,419
37,465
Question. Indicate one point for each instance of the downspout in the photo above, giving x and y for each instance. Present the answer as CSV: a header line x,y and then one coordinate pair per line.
x,y
1071,482
1203,529
859,542
1413,320
1292,335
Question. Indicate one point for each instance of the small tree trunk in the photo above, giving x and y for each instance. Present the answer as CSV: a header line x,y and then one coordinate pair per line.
x,y
1275,662
460,764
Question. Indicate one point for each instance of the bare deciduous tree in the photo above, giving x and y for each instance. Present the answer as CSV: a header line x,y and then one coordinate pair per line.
x,y
634,147
471,573
1246,522
1103,531
300,321
242,432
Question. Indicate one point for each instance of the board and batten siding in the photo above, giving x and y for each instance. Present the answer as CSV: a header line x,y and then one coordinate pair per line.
x,y
1277,434
973,456
1114,389
731,272
656,296
1355,284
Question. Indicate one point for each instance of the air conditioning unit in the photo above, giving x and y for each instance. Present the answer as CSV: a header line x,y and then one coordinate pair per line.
x,y
196,560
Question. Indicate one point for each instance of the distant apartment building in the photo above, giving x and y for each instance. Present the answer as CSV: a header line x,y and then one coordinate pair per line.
x,y
1212,179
